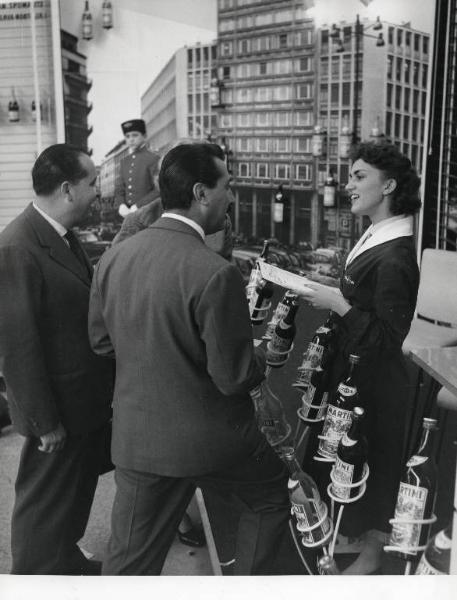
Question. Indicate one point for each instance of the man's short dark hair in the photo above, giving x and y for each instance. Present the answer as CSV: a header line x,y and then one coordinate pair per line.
x,y
56,164
183,167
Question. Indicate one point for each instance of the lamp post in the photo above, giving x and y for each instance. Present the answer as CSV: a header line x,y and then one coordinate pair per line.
x,y
358,33
317,150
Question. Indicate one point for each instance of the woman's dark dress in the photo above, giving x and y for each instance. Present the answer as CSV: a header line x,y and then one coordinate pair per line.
x,y
381,285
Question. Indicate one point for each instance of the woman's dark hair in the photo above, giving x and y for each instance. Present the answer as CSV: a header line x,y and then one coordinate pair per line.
x,y
387,158
183,167
56,164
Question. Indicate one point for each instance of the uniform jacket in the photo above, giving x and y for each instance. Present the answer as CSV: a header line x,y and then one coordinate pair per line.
x,y
221,241
50,370
175,315
136,183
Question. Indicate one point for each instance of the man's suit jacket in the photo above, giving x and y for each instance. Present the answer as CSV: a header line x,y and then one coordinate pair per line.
x,y
175,315
137,172
221,241
51,373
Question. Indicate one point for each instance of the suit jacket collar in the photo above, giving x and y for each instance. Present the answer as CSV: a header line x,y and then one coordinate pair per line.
x,y
58,250
175,225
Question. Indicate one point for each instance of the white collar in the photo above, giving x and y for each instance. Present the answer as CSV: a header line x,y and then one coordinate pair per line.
x,y
188,221
384,231
61,230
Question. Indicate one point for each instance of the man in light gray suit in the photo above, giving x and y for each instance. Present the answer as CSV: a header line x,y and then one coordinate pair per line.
x,y
175,316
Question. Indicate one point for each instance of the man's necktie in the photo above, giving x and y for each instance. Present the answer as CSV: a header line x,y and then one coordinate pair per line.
x,y
75,247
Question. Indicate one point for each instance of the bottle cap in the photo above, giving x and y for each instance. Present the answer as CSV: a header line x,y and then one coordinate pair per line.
x,y
354,358
358,411
430,424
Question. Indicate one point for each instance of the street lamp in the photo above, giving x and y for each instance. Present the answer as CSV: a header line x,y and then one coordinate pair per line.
x,y
318,150
359,32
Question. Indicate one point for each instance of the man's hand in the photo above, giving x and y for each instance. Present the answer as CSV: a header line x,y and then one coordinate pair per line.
x,y
54,440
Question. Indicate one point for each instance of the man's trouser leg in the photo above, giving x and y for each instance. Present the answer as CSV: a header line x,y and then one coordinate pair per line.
x,y
146,513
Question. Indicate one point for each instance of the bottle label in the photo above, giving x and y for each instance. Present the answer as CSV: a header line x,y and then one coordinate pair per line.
x,y
347,441
314,355
337,423
410,505
305,521
425,568
346,390
322,329
278,345
343,473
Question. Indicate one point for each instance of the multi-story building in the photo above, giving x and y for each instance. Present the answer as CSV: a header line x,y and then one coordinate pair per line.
x,y
177,103
76,87
265,80
383,93
439,228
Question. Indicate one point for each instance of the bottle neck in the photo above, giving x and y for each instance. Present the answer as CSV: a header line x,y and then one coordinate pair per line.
x,y
292,464
264,252
425,445
289,318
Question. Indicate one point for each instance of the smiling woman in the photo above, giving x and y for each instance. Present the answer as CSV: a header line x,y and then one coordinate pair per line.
x,y
373,312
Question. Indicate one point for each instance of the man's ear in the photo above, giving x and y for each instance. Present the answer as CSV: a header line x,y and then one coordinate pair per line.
x,y
389,186
65,188
199,190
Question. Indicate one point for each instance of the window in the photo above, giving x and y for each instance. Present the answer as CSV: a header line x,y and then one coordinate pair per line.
x,y
425,45
263,19
282,119
335,67
390,35
262,170
416,42
389,95
406,99
282,145
407,70
416,73
304,118
282,93
424,102
398,69
424,75
408,39
283,16
244,120
262,144
303,64
323,94
334,93
415,101
243,46
226,72
399,37
406,128
282,171
346,67
324,68
243,95
302,144
388,123
303,172
415,130
262,119
398,97
283,66
226,24
244,169
244,22
243,144
389,67
262,68
263,94
304,91
397,126
226,120
282,40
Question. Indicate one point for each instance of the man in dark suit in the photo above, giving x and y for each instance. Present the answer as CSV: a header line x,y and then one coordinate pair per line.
x,y
59,391
182,414
135,187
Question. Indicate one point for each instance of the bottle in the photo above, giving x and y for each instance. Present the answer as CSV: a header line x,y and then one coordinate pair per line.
x,y
87,27
310,511
315,396
436,559
351,457
416,497
13,109
270,416
339,412
280,312
319,353
107,15
326,565
260,301
255,276
283,337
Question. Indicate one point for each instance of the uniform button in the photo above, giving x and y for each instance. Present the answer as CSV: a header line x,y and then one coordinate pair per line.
x,y
133,157
130,187
130,179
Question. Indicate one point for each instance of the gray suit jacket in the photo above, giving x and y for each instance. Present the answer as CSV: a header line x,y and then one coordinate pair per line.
x,y
175,316
50,370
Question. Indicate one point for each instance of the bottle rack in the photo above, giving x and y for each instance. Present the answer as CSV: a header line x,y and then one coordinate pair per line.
x,y
409,549
284,355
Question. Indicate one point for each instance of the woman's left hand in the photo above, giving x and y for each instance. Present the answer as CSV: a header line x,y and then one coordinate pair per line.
x,y
325,297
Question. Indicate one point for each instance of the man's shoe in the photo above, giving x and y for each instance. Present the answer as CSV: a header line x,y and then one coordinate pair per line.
x,y
194,537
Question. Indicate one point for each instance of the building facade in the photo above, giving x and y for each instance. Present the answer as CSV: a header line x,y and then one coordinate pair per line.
x,y
265,93
76,87
439,227
177,103
372,81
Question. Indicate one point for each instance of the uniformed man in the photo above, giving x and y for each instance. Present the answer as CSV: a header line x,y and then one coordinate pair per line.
x,y
136,187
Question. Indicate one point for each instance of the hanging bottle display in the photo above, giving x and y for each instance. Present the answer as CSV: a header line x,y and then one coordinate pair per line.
x,y
311,513
280,345
87,26
315,397
318,354
107,15
326,565
350,460
416,498
13,108
436,559
339,412
280,312
270,415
